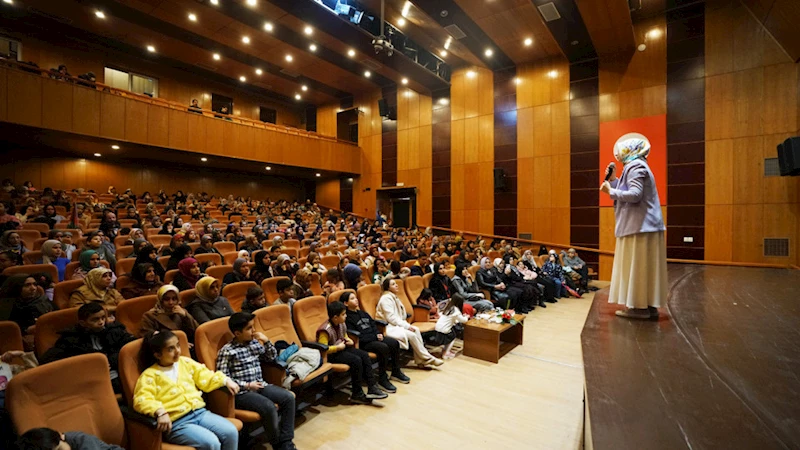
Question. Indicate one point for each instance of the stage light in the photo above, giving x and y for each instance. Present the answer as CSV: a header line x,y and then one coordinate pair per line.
x,y
98,13
297,97
528,42
367,73
488,52
245,39
217,57
268,26
193,17
404,81
308,30
289,58
259,71
304,88
151,49
98,155
242,79
312,47
351,53
115,147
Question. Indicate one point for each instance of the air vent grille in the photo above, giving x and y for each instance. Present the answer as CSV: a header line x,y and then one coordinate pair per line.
x,y
455,31
549,12
371,64
290,73
772,167
776,247
206,67
526,236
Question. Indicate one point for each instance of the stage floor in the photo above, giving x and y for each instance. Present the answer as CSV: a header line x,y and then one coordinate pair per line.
x,y
718,370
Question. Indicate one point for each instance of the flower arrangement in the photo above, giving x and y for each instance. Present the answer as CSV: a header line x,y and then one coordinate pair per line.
x,y
508,317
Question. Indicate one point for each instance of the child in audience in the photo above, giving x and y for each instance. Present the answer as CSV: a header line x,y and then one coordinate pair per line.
x,y
209,305
240,359
50,439
285,293
370,339
169,389
426,298
341,350
553,269
254,299
94,333
52,254
333,281
445,333
380,271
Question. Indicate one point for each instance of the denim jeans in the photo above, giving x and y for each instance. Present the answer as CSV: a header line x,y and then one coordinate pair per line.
x,y
204,430
278,424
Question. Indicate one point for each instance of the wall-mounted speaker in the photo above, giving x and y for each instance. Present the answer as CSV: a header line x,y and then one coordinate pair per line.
x,y
383,108
500,183
789,157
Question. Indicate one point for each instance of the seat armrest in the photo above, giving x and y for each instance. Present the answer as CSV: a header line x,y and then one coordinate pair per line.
x,y
421,307
351,332
422,313
221,402
315,345
130,414
274,371
141,436
381,323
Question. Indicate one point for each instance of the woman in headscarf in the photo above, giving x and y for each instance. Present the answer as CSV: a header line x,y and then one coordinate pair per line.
x,y
313,263
167,228
439,284
302,284
463,284
188,274
168,314
240,272
251,244
352,276
262,270
243,254
179,254
29,303
488,279
530,295
96,241
209,305
174,243
149,254
11,241
52,254
97,288
284,267
144,281
137,247
207,246
89,260
135,234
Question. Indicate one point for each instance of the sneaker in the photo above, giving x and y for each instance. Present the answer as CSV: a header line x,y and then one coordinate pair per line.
x,y
633,313
387,386
374,392
400,377
435,362
653,312
360,399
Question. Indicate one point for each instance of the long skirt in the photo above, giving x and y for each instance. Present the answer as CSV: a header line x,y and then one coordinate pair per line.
x,y
639,277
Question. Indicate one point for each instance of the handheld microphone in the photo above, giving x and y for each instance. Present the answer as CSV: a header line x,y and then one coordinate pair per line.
x,y
610,170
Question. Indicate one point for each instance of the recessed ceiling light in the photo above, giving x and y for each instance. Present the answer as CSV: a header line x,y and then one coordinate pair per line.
x,y
259,71
297,96
655,33
215,2
443,53
401,22
269,168
304,88
351,53
444,101
252,2
97,13
242,78
517,80
471,74
151,49
245,39
406,9
407,93
312,47
319,174
308,30
289,58
404,81
217,57
488,52
528,42
115,147
268,26
367,73
204,159
10,2
552,74
447,43
98,155
192,17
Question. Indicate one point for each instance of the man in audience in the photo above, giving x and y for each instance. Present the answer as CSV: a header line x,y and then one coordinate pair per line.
x,y
195,107
50,439
422,266
110,226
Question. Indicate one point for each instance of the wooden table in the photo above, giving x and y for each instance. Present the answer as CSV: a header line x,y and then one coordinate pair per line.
x,y
490,341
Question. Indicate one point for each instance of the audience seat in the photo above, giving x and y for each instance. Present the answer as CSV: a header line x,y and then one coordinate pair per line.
x,y
304,251
49,325
335,296
69,271
330,261
426,280
130,312
193,245
236,293
397,254
230,257
292,243
41,228
273,235
37,244
163,260
10,336
420,314
119,241
30,269
316,286
31,257
219,272
225,247
389,256
205,257
410,263
124,265
122,282
170,275
270,287
39,398
414,286
160,239
368,297
493,254
63,290
290,252
187,296
449,272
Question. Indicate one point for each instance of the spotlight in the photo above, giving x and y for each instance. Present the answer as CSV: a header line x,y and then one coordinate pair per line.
x,y
401,22
319,174
655,33
443,53
151,49
252,2
367,73
245,39
217,57
308,30
269,168
312,47
193,17
115,147
204,159
488,52
444,101
297,96
552,74
471,74
289,58
528,42
215,2
351,53
98,13
304,88
404,81
242,79
268,26
96,154
517,80
259,71
406,9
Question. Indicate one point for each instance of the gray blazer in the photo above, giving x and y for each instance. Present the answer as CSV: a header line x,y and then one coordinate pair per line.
x,y
637,208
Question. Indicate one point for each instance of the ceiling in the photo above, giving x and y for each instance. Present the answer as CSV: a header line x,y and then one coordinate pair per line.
x,y
497,34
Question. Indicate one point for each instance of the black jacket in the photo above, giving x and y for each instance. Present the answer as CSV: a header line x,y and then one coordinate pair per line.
x,y
82,441
77,340
364,324
25,312
180,282
441,287
460,286
487,279
203,311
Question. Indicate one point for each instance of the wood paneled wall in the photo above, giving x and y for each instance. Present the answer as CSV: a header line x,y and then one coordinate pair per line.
x,y
751,105
71,173
328,193
505,151
440,152
370,133
174,85
46,103
472,150
414,149
543,150
389,140
326,120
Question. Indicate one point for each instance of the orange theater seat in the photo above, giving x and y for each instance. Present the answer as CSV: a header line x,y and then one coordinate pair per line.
x,y
34,268
236,293
368,297
270,287
335,296
62,292
48,327
130,312
219,272
10,337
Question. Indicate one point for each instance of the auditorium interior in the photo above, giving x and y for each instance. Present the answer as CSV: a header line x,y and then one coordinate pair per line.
x,y
435,135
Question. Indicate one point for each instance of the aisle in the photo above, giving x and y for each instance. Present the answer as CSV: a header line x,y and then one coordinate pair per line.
x,y
532,399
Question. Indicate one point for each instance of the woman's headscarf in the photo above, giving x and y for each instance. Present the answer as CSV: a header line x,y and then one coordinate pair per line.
x,y
631,147
352,275
4,241
484,261
185,268
243,254
282,258
258,258
186,227
436,268
86,259
137,246
496,263
139,274
237,265
132,234
92,281
160,294
180,252
203,287
47,251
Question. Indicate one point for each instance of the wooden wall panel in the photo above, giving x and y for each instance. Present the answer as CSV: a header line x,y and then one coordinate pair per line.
x,y
136,121
24,91
326,120
158,126
369,156
3,95
86,112
179,131
328,193
57,95
112,117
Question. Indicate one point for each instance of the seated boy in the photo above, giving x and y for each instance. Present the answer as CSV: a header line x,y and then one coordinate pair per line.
x,y
92,334
341,350
240,360
254,299
286,293
371,340
49,439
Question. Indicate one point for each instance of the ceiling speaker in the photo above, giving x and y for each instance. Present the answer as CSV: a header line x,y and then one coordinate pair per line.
x,y
455,31
549,12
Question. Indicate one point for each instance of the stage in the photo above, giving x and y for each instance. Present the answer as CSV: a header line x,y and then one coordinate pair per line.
x,y
719,370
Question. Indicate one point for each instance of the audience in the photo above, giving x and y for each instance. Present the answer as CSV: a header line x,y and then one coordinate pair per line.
x,y
30,303
168,315
144,281
254,299
50,439
52,254
97,288
239,273
188,274
209,305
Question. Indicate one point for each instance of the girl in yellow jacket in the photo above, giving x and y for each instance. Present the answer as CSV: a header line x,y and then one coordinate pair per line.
x,y
169,390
